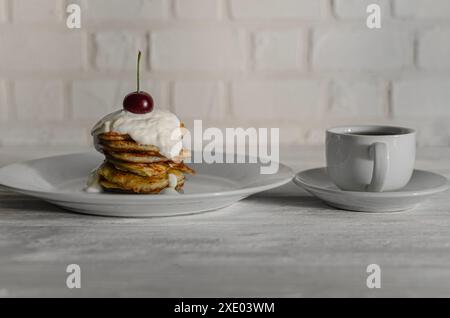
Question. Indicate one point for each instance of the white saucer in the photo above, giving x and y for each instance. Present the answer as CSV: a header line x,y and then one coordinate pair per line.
x,y
61,179
422,185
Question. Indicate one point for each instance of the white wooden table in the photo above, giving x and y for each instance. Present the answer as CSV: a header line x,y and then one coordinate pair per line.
x,y
280,243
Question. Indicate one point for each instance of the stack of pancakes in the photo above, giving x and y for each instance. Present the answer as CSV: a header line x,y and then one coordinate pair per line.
x,y
133,168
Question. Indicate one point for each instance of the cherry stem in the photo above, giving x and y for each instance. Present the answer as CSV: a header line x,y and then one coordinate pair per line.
x,y
138,70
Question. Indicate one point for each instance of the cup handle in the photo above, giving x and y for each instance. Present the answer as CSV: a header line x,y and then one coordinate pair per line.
x,y
380,156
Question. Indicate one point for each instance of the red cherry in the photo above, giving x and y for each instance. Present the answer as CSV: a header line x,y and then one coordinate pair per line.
x,y
138,102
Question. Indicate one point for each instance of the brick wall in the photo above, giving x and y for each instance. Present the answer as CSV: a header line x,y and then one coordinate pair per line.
x,y
301,65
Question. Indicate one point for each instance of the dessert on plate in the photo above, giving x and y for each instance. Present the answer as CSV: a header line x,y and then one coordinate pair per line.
x,y
142,146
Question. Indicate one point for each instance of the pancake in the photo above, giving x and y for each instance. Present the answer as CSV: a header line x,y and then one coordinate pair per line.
x,y
133,168
142,169
150,169
117,142
107,149
181,166
112,178
135,157
111,136
112,187
127,146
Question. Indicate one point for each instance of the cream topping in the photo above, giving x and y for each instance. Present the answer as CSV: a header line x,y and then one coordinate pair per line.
x,y
169,191
158,128
93,182
173,181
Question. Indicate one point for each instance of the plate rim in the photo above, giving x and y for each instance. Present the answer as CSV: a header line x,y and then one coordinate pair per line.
x,y
391,194
139,198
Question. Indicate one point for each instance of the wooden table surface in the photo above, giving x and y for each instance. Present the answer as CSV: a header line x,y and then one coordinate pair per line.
x,y
281,243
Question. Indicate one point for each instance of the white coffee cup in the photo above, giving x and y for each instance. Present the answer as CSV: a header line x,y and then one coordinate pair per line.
x,y
370,158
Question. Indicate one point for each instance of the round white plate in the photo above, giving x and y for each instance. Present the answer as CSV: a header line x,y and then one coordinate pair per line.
x,y
422,185
61,179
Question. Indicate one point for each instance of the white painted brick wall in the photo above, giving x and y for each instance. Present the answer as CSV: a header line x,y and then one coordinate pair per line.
x,y
198,9
360,49
358,8
3,102
3,11
280,50
423,9
432,133
41,99
421,99
269,100
434,49
280,9
197,100
29,11
60,134
197,50
126,11
351,98
300,65
31,50
117,50
92,99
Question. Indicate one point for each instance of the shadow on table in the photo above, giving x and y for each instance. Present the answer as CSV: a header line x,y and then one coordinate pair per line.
x,y
289,195
305,201
21,203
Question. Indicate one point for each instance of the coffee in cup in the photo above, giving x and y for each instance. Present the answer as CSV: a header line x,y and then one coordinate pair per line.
x,y
370,158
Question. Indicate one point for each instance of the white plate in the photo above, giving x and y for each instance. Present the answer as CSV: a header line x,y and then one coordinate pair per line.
x,y
61,179
422,185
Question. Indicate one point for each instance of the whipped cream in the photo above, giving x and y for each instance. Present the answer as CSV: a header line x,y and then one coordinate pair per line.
x,y
173,182
169,191
93,182
158,128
